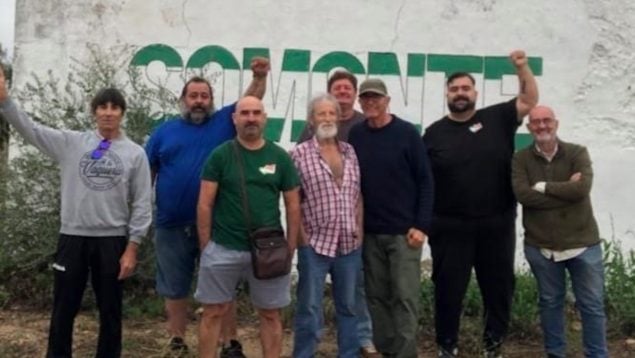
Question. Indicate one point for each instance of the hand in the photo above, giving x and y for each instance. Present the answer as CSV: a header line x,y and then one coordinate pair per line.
x,y
128,261
202,245
260,67
576,177
518,58
4,92
416,238
289,262
301,241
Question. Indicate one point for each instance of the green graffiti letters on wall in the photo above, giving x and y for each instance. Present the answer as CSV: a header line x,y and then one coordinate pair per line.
x,y
299,60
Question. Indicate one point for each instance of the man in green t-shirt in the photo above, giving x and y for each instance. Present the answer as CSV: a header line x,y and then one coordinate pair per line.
x,y
222,231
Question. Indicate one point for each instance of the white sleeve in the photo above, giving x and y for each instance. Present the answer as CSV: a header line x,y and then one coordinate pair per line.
x,y
540,187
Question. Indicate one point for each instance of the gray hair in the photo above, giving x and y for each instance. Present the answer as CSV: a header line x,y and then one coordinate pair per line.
x,y
322,97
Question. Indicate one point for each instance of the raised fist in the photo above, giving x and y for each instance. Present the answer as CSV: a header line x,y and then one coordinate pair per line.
x,y
518,58
260,66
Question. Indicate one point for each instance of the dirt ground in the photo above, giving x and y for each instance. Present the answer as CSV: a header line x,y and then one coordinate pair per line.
x,y
24,334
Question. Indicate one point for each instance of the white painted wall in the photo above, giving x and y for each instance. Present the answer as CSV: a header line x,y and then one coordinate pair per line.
x,y
586,47
7,25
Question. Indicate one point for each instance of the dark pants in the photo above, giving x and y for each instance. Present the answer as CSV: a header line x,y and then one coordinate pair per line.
x,y
392,274
77,256
487,244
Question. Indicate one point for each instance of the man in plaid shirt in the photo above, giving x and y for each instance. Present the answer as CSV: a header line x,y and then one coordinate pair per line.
x,y
331,234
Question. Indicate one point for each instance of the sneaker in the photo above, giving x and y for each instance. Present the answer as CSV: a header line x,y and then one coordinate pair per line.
x,y
178,347
444,352
234,350
369,352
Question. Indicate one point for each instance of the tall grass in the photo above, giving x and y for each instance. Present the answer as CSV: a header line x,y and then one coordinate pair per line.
x,y
620,288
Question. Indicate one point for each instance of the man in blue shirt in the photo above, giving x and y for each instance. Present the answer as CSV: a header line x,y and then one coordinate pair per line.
x,y
177,150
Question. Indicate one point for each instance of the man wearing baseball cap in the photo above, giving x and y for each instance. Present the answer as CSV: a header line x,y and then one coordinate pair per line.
x,y
397,189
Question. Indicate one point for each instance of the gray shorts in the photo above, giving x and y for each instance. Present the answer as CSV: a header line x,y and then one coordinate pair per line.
x,y
221,269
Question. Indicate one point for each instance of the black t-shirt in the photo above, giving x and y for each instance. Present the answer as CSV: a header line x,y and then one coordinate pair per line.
x,y
471,162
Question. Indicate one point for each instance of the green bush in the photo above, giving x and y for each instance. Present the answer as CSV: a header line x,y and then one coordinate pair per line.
x,y
620,288
524,316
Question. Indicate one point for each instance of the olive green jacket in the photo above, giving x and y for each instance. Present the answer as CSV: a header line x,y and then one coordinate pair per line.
x,y
562,217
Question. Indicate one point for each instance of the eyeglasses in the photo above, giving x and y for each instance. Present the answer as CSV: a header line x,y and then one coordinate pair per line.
x,y
537,121
103,146
370,97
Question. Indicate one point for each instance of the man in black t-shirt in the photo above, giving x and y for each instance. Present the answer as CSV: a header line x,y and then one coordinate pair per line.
x,y
475,209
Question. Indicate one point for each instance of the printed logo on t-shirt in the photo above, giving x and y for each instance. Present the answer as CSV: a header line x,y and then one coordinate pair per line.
x,y
268,169
101,174
476,127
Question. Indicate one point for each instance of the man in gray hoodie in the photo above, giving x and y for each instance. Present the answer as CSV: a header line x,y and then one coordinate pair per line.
x,y
105,212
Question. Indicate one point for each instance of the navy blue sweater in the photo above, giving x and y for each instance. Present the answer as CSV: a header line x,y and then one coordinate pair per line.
x,y
397,183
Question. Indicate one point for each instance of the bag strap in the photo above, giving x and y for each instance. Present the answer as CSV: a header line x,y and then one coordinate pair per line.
x,y
243,186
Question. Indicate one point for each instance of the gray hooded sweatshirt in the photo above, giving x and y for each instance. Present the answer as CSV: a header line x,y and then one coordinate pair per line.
x,y
110,196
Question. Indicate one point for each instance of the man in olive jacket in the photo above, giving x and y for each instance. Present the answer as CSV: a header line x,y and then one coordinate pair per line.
x,y
552,180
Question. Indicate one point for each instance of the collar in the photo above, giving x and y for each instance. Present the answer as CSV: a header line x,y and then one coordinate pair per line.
x,y
341,146
558,152
121,135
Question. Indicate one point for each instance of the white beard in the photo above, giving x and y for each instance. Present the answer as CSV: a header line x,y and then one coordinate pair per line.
x,y
326,131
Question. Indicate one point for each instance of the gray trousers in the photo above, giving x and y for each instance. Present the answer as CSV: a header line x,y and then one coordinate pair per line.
x,y
392,276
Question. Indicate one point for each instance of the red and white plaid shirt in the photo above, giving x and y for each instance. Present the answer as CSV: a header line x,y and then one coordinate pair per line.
x,y
328,210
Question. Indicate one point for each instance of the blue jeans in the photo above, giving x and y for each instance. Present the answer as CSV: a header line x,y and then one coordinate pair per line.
x,y
364,323
587,278
312,269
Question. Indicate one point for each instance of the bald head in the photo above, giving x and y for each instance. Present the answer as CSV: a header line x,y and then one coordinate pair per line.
x,y
250,118
541,112
543,125
249,101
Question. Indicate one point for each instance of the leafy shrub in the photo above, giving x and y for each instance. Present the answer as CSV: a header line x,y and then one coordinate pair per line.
x,y
620,288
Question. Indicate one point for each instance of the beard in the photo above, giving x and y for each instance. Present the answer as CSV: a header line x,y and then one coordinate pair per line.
x,y
251,131
326,131
196,114
544,137
461,108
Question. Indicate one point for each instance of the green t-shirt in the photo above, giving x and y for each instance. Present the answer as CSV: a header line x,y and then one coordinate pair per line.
x,y
268,171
